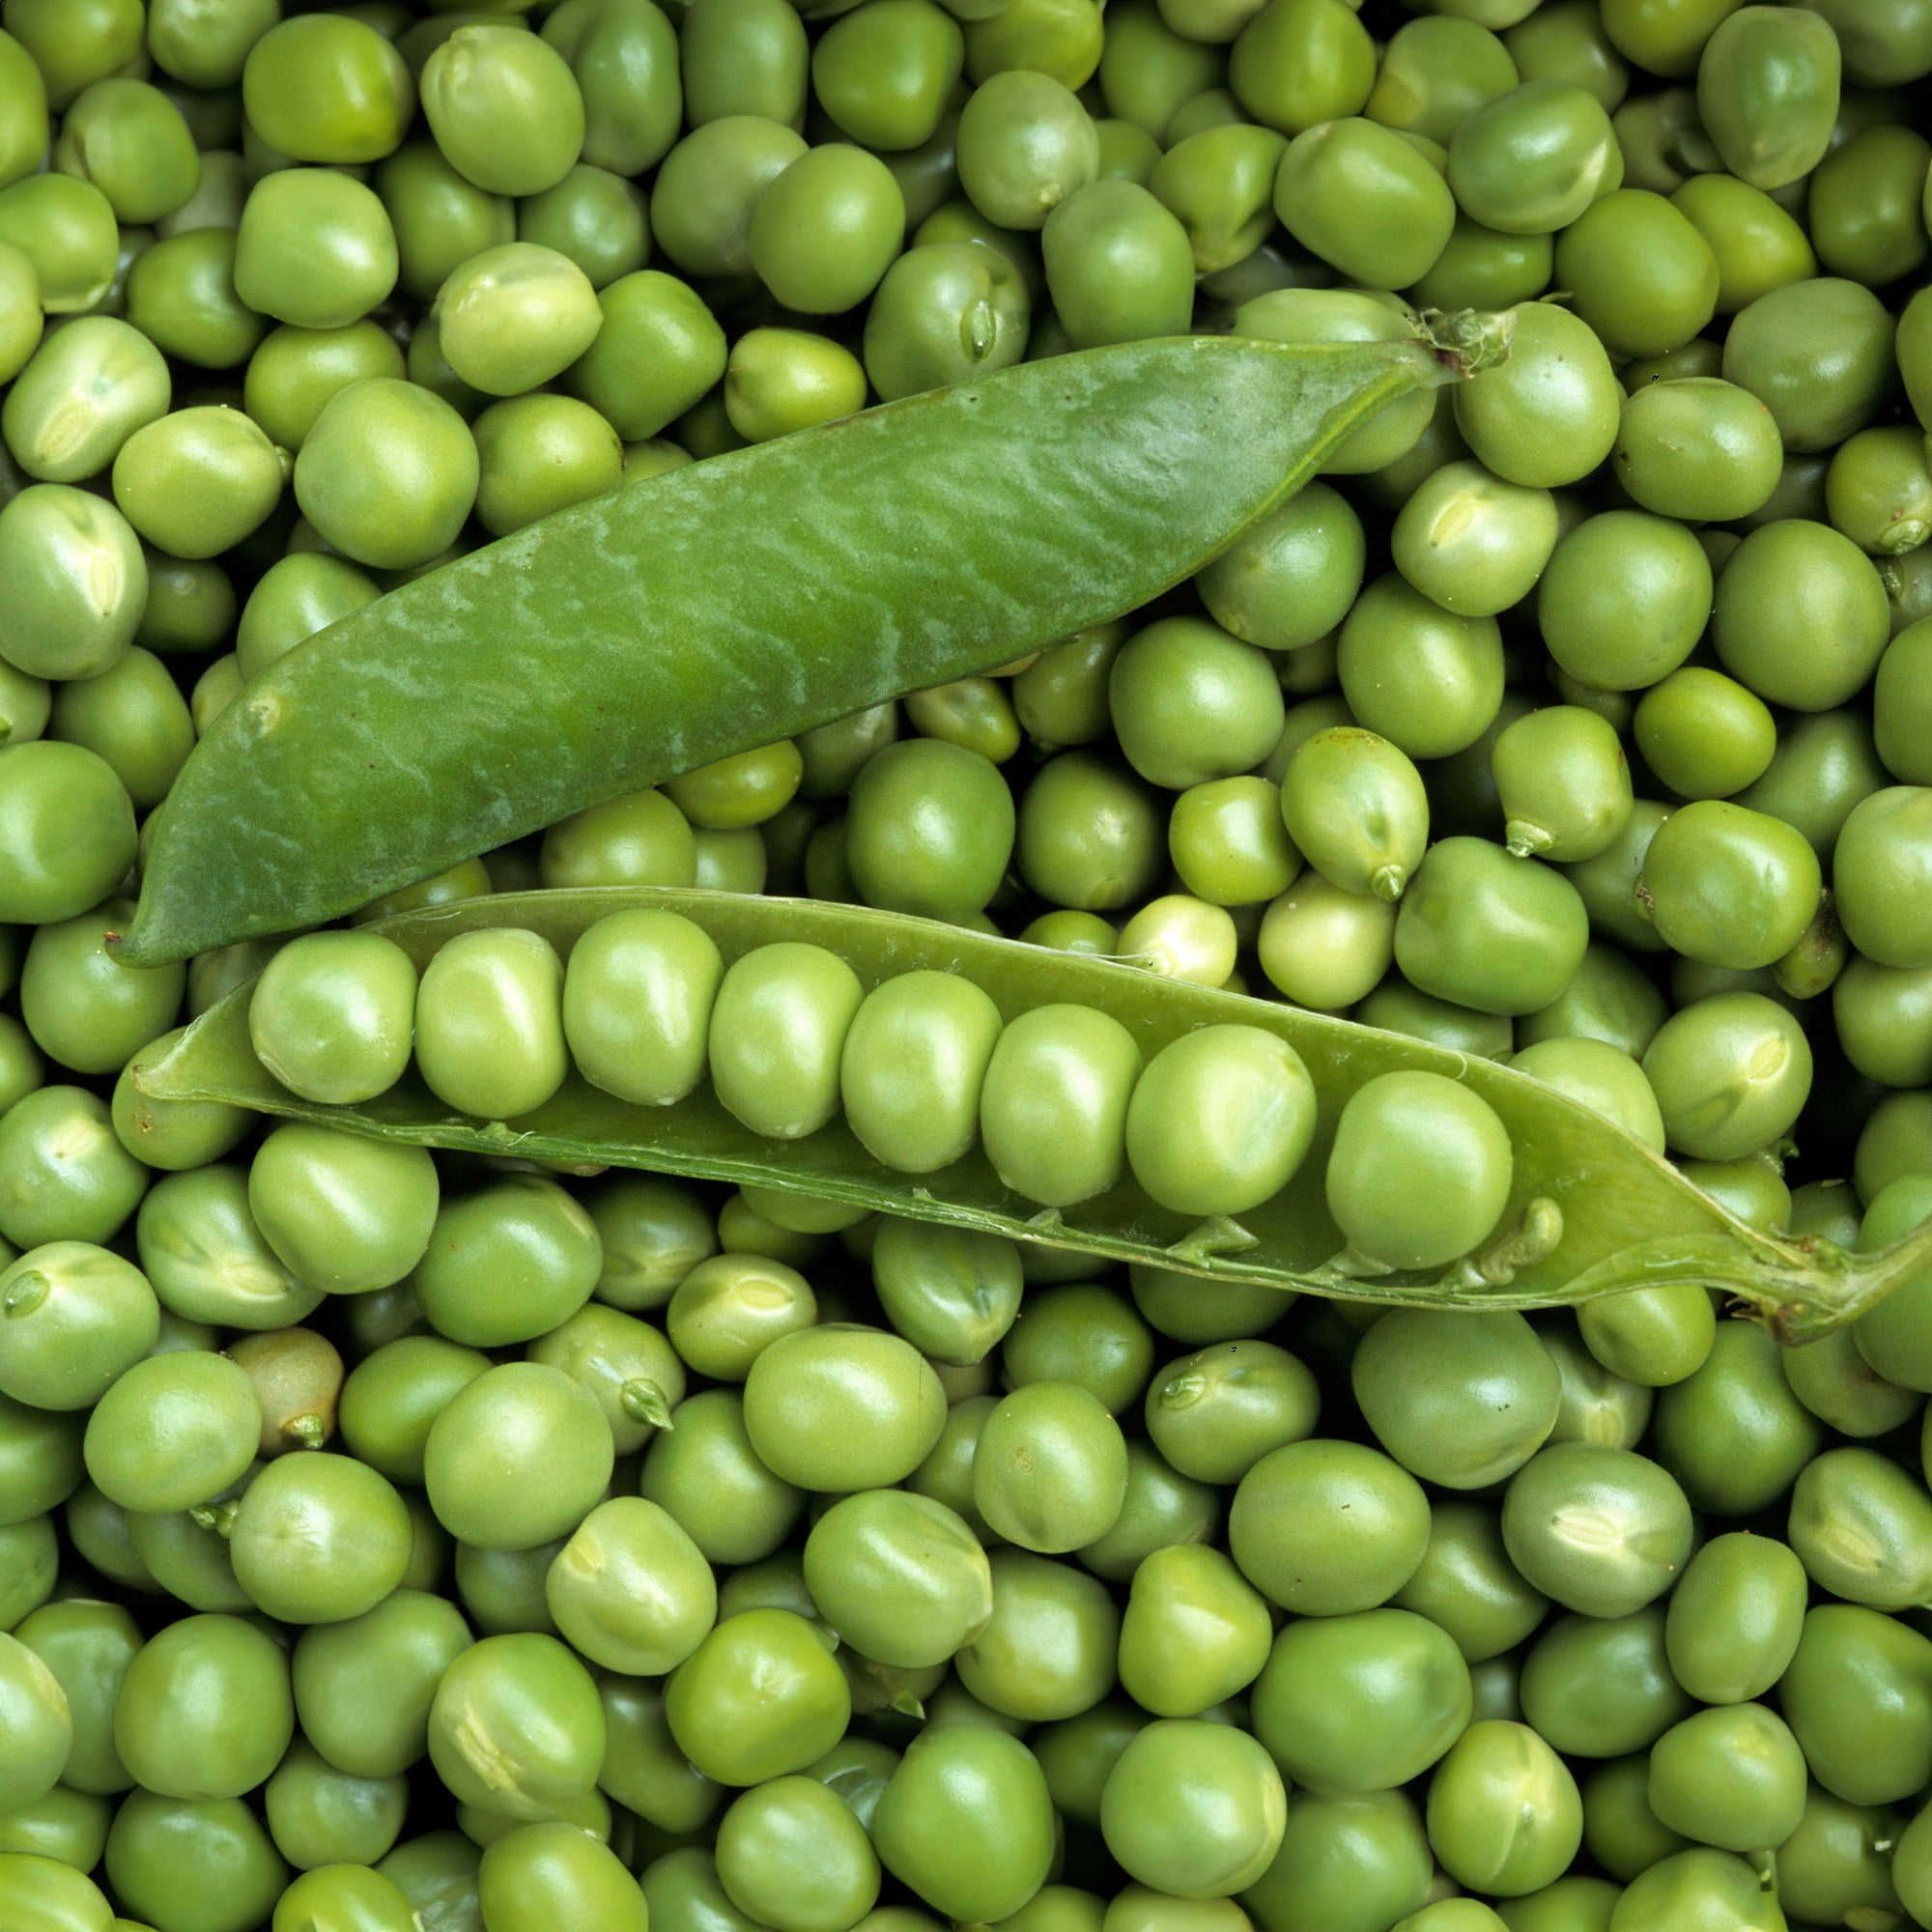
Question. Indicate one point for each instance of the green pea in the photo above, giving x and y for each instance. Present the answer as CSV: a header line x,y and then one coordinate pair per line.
x,y
87,389
40,1462
1323,947
1396,1007
133,718
181,295
1861,1526
327,89
899,1576
75,1317
630,1590
1620,1829
1193,1633
344,264
1562,783
1436,72
1356,194
1354,805
826,229
1768,90
1839,1861
731,1307
207,1260
929,829
1504,1814
319,1537
1731,1073
1467,1585
1825,764
439,218
1878,491
1663,593
505,108
760,1698
508,1262
967,1822
1705,735
1194,1808
1291,578
1350,1861
1736,1406
539,454
1297,63
778,1029
1863,207
408,507
66,229
515,316
1881,873
1426,679
884,77
840,1408
1732,1777
489,1037
636,1004
1483,267
781,379
793,1852
296,598
1531,160
1777,348
1550,414
1214,1415
82,1005
1853,1698
707,1475
1119,266
332,1016
1473,542
1322,1705
1641,274
640,839
1456,1398
1602,1077
1087,836
172,1431
342,1213
79,581
199,481
1227,842
702,202
64,1173
1051,1468
1602,1531
1149,70
951,1292
944,311
1735,1617
1053,1109
1219,185
597,219
157,1846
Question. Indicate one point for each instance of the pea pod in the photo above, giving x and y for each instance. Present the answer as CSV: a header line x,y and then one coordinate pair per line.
x,y
1591,1209
733,603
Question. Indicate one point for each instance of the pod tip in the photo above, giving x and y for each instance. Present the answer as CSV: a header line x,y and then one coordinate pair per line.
x,y
1466,341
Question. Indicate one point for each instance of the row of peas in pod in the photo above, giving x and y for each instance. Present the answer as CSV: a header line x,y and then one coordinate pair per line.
x,y
392,1533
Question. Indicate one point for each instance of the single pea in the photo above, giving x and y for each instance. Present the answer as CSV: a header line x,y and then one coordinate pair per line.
x,y
1297,63
706,1473
1052,1108
640,839
408,507
1051,1467
1704,735
758,1698
826,230
1425,678
344,263
1639,274
1650,626
507,1262
837,1407
1602,1531
1194,1808
1531,160
206,1710
944,311
929,829
1731,1073
1323,947
488,1023
1360,1702
1460,1400
199,481
1347,1859
1728,886
295,598
1291,578
1193,1633
207,1260
731,1308
88,387
1360,197
1768,91
1839,1860
65,228
332,1016
1220,1121
1118,265
781,379
1228,843
72,1319
328,89
1862,1527
1213,1415
950,1292
900,1576
297,1375
1550,414
1504,1812
1049,1651
342,1213
1024,144
1735,1617
85,1009
1620,1829
1651,1336
778,1030
538,454
1853,1701
1473,543
1466,1584
1701,448
1882,875
1731,1776
504,107
599,220
1817,354
1436,72
438,217
515,316
1562,783
966,1822
319,1537
1354,807
79,581
157,1846
1483,267
1602,1078
134,718
173,1431
636,1004
1219,187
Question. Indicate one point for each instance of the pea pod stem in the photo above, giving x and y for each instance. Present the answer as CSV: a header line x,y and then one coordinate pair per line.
x,y
739,601
1592,1210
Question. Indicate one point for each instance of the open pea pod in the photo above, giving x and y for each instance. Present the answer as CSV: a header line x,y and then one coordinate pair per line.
x,y
1591,1210
689,616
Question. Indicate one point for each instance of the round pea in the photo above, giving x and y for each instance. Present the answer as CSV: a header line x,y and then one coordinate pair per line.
x,y
778,1030
1504,1814
1599,1530
1119,266
837,1407
1548,414
1053,1109
1731,1073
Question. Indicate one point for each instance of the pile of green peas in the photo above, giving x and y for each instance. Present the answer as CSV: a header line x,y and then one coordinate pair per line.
x,y
395,1540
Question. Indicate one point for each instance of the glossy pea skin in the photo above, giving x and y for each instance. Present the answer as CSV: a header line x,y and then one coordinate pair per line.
x,y
82,1007
86,389
1504,1814
1193,1633
319,1537
206,1710
1194,1808
1460,1400
1704,735
1840,1858
1191,704
1053,1109
944,311
332,1016
1358,195
1428,680
1354,807
1602,1531
173,1431
1119,266
507,1262
1639,274
886,82
1218,184
1563,784
1472,542
1290,579
393,1395
1467,1585
900,1576
1816,353
1768,91
1733,1434
1701,448
1050,1472
792,1852
516,1727
1486,928
1299,62
1862,1528
1598,1687
329,90
1731,1073
1228,843
760,1698
1881,873
486,1447
638,994
1347,1861
629,1591
929,829
343,1213
1214,1414
1735,1617
1728,886
69,830
706,1473
79,579
1731,1776
1549,415
1360,1702
826,229
729,1308
966,1822
344,264
1620,1829
1530,160
778,1029
838,1407
1663,590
